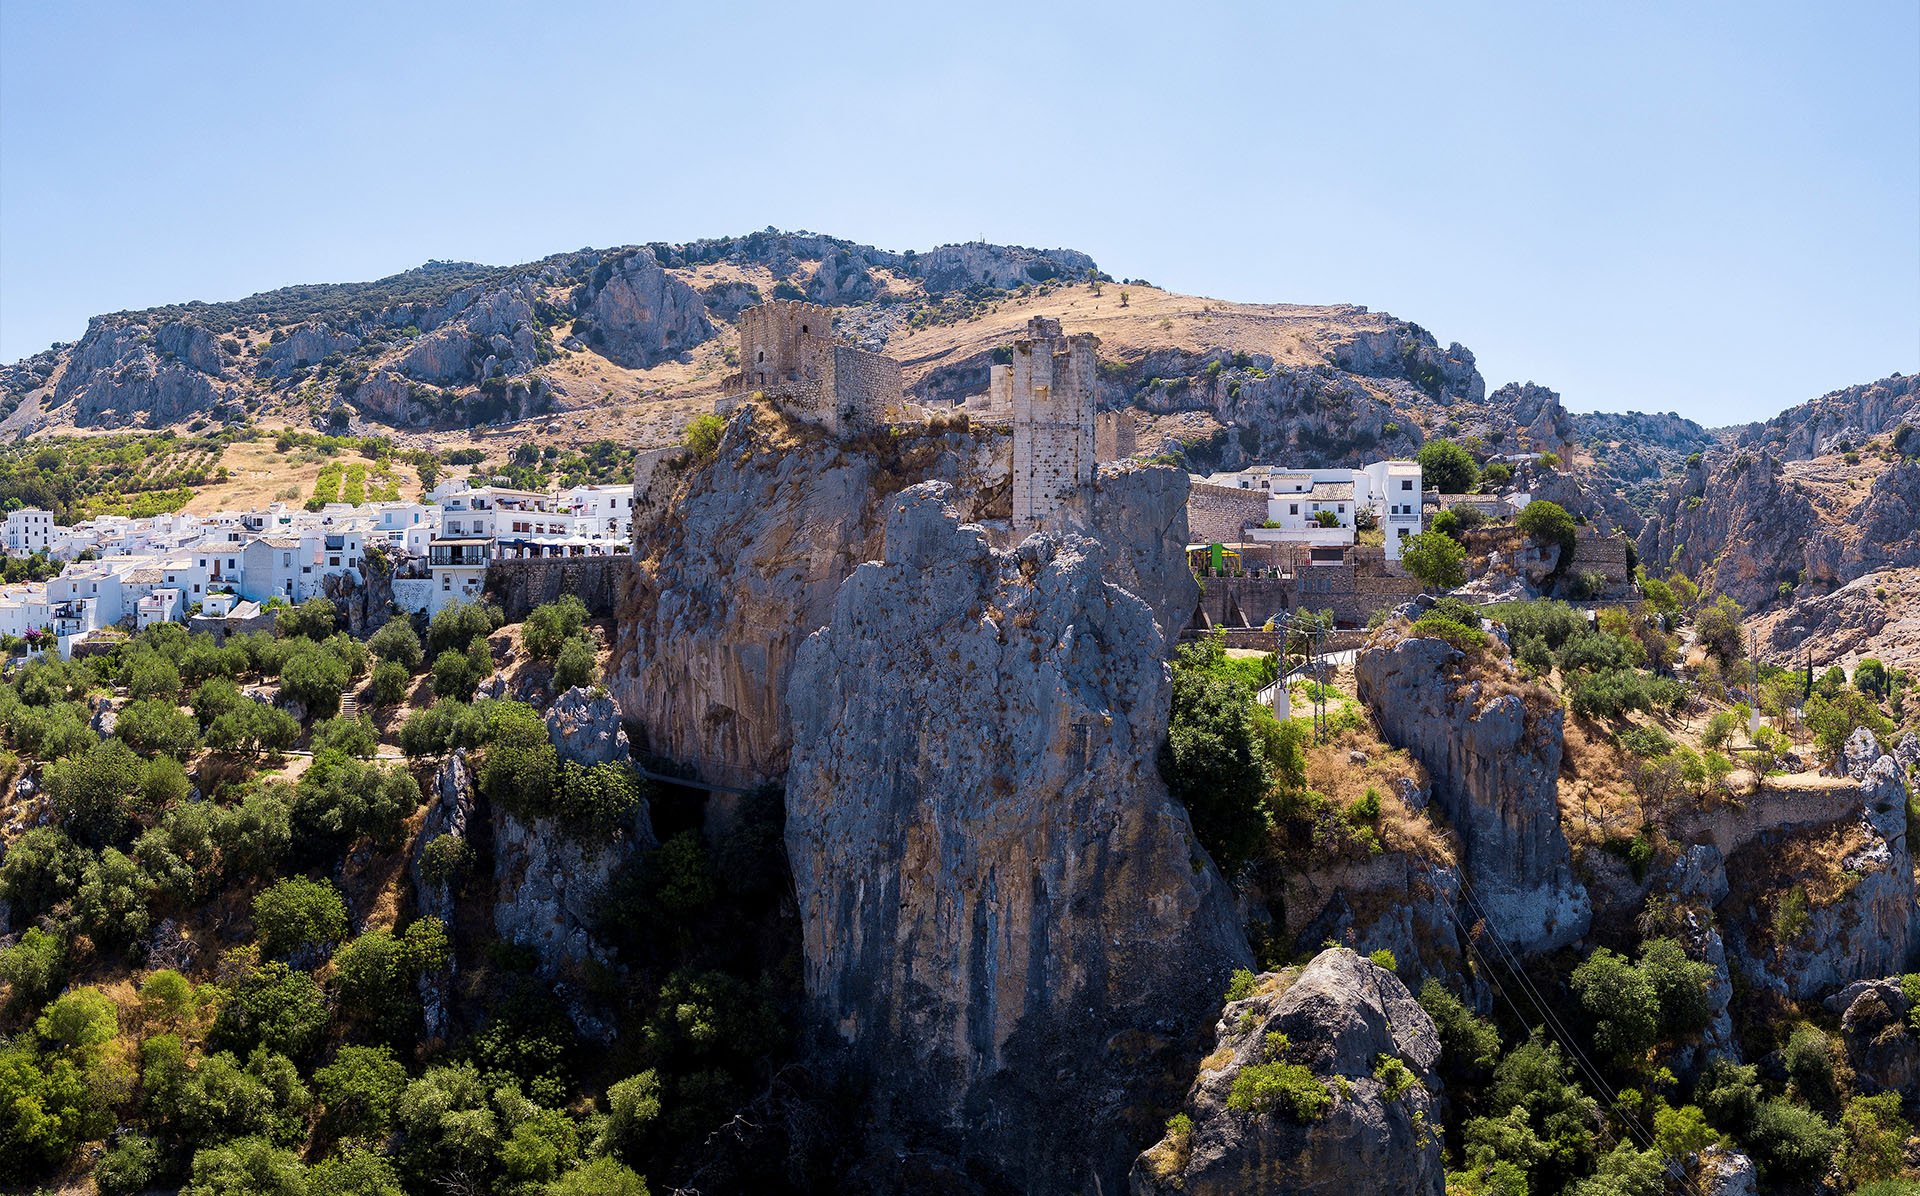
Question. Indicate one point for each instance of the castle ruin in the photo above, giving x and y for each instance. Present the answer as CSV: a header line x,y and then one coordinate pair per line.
x,y
789,353
1050,386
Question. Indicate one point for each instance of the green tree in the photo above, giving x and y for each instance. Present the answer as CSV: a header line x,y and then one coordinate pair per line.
x,y
396,643
34,968
1446,467
550,625
455,626
1620,1003
314,619
575,665
270,1005
1870,678
1679,986
1548,523
298,917
338,799
315,678
390,684
1213,760
361,1089
93,793
247,1167
79,1021
347,736
154,725
598,1177
1718,627
1437,560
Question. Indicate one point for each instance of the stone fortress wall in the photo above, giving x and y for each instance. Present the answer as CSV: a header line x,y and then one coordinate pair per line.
x,y
1052,382
788,351
1219,514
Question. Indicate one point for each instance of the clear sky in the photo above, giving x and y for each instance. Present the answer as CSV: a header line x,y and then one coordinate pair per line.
x,y
1705,207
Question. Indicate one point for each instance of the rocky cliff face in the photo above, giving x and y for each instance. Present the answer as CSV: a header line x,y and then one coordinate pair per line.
x,y
1342,1017
1495,762
548,877
1817,905
1004,913
636,314
123,373
745,565
1837,420
1747,522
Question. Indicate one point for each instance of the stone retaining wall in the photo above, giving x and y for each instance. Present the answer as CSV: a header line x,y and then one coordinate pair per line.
x,y
516,587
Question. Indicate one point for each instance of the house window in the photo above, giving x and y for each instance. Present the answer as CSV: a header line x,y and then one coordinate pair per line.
x,y
333,562
286,560
446,583
1293,508
1406,484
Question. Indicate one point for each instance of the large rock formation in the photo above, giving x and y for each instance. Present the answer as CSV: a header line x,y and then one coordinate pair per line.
x,y
548,877
1004,913
1493,752
636,314
1823,902
1342,1018
744,564
122,372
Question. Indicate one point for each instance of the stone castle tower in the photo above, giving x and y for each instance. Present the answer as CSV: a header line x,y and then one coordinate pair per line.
x,y
1051,387
788,352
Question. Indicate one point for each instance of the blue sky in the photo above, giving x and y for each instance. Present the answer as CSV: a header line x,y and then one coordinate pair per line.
x,y
1704,207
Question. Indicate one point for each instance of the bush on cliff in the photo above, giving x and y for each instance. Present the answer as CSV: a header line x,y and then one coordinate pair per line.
x,y
1214,760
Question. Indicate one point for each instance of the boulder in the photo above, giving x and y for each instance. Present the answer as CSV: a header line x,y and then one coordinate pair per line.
x,y
1879,1038
1344,1020
1722,1172
1494,760
1004,913
585,726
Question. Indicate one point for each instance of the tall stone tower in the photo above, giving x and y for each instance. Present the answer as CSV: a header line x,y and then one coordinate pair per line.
x,y
1053,409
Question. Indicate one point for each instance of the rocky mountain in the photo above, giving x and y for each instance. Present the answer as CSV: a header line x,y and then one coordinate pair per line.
x,y
1800,506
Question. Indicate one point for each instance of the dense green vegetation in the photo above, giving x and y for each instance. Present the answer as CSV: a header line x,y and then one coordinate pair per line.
x,y
274,1036
134,475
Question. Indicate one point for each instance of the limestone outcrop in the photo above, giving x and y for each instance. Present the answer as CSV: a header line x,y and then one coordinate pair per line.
x,y
1818,905
122,373
450,813
1494,759
1004,913
1494,765
548,877
744,563
636,314
1879,1038
1343,1018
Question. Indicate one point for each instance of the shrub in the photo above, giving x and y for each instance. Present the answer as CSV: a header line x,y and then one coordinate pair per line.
x,y
79,1021
252,1165
1288,1088
1608,694
1446,467
1548,523
390,684
376,975
1382,957
1240,985
40,869
345,736
1874,1135
1460,635
298,916
633,1105
576,665
1435,559
1808,1057
1790,1140
1682,1131
396,643
702,435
